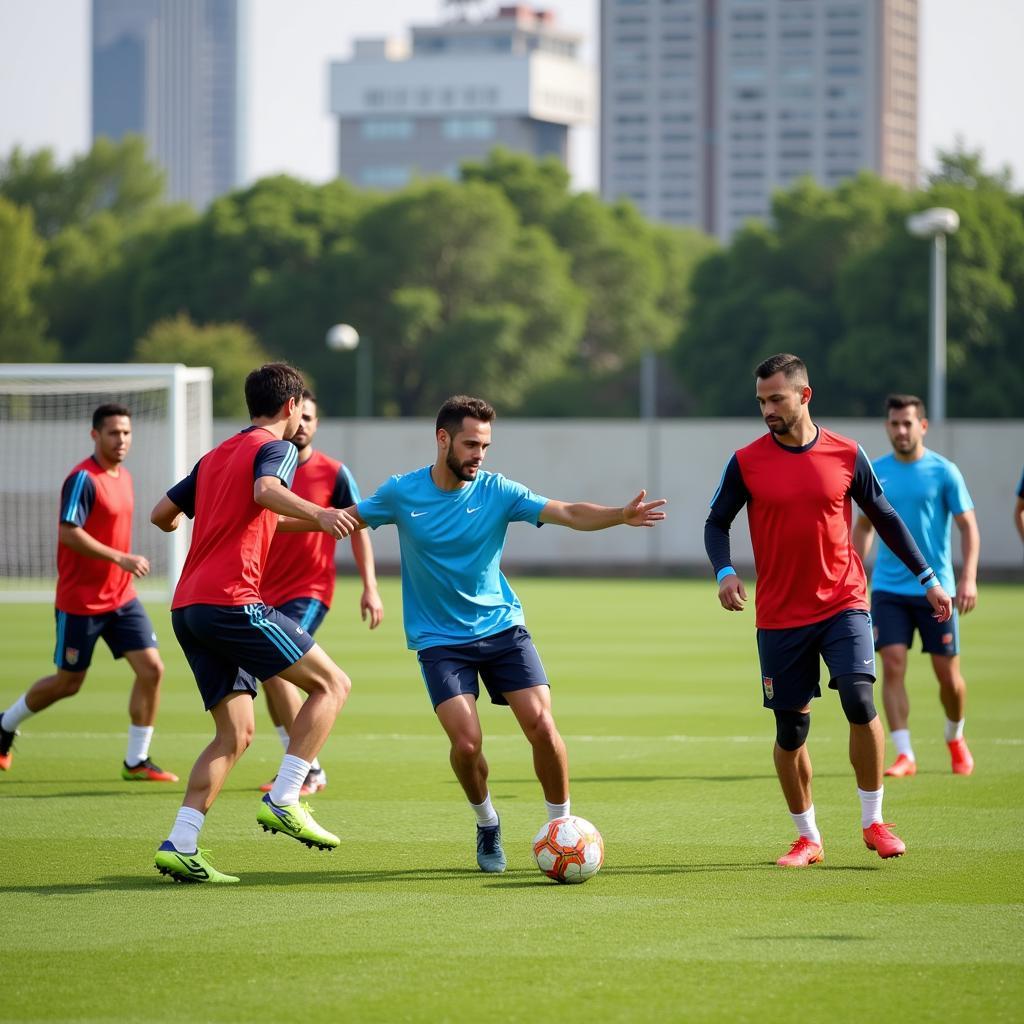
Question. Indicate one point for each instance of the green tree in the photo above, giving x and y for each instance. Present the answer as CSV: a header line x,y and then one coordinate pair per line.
x,y
22,323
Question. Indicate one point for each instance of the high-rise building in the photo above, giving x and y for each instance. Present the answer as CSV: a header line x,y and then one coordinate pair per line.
x,y
707,106
169,70
464,87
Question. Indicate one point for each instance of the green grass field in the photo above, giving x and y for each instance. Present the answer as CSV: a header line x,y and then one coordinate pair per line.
x,y
657,693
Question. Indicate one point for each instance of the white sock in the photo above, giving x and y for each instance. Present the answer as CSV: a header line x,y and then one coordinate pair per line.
x,y
282,735
485,813
870,806
290,777
139,738
806,824
15,715
184,836
901,738
954,730
557,810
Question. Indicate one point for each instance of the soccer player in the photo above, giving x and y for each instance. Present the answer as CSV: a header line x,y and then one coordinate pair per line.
x,y
235,494
926,491
298,579
96,570
461,616
1018,508
797,481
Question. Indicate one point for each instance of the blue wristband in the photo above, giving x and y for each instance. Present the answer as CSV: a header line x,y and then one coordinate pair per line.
x,y
727,571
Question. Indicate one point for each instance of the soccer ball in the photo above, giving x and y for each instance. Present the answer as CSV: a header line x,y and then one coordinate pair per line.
x,y
568,849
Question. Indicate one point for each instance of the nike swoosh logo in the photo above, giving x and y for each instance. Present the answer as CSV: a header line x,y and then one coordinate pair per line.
x,y
416,515
870,661
470,511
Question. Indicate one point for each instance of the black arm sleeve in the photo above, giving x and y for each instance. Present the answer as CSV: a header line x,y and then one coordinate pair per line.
x,y
867,492
731,496
183,493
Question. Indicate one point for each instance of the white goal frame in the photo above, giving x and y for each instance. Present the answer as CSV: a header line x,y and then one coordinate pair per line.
x,y
189,433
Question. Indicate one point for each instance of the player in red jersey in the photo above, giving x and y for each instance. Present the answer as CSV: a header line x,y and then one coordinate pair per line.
x,y
298,579
797,482
230,637
1018,508
96,596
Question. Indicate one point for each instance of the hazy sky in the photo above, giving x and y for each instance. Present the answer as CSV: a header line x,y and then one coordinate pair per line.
x,y
972,76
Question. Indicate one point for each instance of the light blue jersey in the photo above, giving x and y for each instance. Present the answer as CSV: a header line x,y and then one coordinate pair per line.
x,y
926,494
453,590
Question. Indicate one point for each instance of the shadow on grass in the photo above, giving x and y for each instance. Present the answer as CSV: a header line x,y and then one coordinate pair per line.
x,y
129,789
805,938
581,779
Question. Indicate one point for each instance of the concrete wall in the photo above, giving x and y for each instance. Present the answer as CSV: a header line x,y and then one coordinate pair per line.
x,y
608,461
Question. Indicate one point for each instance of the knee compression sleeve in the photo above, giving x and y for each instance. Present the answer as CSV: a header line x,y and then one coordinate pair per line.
x,y
791,729
856,693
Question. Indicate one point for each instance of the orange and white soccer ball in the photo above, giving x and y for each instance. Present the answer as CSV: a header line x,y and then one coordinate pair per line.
x,y
568,849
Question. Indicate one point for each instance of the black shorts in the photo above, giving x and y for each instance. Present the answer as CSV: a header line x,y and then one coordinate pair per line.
x,y
896,616
308,612
505,662
791,658
229,647
124,629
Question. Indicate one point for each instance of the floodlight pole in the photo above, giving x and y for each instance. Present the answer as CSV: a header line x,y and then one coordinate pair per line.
x,y
937,333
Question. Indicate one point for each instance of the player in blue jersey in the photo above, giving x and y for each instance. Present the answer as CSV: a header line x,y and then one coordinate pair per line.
x,y
927,491
461,616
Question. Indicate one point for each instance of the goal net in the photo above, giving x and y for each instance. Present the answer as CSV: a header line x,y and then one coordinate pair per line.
x,y
45,419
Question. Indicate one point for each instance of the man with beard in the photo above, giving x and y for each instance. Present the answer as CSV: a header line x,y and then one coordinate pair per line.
x,y
298,579
797,482
927,491
461,616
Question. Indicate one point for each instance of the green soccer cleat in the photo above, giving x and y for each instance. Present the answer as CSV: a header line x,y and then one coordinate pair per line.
x,y
189,867
295,820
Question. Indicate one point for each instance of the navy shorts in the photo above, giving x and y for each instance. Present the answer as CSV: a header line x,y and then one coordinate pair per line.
x,y
307,612
229,647
124,629
896,616
791,658
506,661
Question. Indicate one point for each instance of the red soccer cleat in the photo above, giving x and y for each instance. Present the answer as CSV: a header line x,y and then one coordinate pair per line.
x,y
802,853
902,767
268,786
146,771
963,763
6,742
886,844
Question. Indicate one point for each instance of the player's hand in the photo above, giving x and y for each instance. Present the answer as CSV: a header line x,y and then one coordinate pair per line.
x,y
134,565
966,597
941,602
336,522
643,513
732,595
371,605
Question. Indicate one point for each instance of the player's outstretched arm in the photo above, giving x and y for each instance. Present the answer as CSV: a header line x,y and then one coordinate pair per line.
x,y
271,493
582,515
732,595
941,602
166,515
75,538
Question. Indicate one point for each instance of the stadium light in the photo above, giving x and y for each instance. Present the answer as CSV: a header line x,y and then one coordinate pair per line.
x,y
345,338
936,223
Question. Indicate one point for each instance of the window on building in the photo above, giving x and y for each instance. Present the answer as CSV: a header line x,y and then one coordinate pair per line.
x,y
468,128
385,176
388,128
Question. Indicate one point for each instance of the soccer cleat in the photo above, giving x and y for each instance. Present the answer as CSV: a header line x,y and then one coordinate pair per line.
x,y
489,854
802,853
295,820
315,781
886,844
6,743
963,763
902,767
146,771
268,786
189,867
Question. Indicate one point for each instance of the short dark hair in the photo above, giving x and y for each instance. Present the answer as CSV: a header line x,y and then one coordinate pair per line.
x,y
458,407
792,367
905,402
270,386
107,410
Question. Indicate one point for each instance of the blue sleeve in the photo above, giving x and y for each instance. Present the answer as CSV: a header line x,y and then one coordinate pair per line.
x,y
276,458
183,493
867,492
345,491
731,496
382,506
958,498
521,504
76,498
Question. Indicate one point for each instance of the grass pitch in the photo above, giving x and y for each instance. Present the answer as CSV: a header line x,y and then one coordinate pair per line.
x,y
657,692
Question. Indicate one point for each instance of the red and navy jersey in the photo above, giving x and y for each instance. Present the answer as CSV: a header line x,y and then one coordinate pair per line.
x,y
799,508
232,534
302,564
101,504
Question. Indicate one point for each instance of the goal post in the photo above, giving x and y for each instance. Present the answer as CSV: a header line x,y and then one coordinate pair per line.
x,y
45,418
